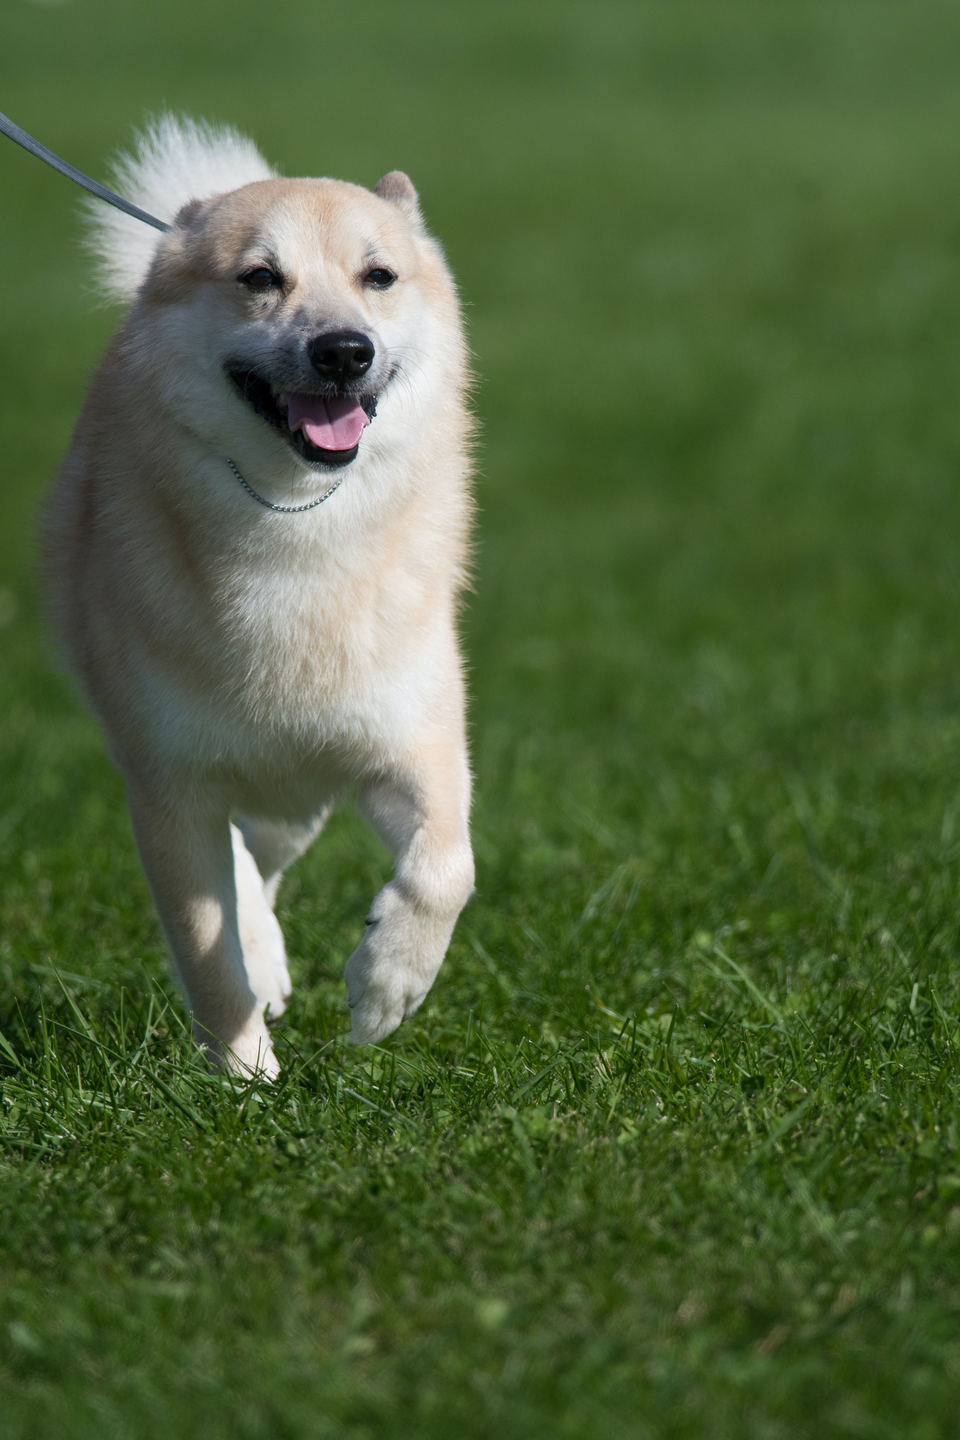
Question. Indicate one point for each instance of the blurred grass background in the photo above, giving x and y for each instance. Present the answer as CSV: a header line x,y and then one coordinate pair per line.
x,y
709,250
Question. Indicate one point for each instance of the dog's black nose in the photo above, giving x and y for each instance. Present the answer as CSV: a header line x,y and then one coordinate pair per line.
x,y
341,355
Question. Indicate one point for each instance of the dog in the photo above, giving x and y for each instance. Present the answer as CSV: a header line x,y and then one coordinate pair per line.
x,y
254,554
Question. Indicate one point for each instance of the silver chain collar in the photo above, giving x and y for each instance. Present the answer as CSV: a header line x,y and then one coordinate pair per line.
x,y
283,509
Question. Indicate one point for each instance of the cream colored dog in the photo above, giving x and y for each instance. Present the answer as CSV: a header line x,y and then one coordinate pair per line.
x,y
254,553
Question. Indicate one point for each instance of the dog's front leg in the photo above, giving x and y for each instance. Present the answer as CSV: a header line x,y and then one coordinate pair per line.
x,y
422,817
185,844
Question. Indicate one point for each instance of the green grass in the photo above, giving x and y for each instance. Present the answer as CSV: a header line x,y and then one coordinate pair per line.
x,y
673,1149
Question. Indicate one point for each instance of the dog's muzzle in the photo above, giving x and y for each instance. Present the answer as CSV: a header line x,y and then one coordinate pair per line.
x,y
323,426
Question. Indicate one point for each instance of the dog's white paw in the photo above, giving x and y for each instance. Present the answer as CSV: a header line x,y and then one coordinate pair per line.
x,y
391,971
379,1001
246,1054
252,1055
270,983
273,985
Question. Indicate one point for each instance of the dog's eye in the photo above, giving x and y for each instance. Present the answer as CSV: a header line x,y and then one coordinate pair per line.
x,y
379,278
260,279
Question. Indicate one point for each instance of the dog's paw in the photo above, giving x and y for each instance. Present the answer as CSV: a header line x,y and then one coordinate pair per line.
x,y
380,993
271,987
390,973
251,1060
372,1023
378,1008
284,983
265,962
247,1054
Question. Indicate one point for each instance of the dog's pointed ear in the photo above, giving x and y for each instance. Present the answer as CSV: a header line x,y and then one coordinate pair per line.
x,y
187,213
398,189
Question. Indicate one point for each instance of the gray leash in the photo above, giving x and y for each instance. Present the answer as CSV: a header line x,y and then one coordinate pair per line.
x,y
21,137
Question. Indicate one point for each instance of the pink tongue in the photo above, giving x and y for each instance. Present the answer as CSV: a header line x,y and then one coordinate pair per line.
x,y
333,422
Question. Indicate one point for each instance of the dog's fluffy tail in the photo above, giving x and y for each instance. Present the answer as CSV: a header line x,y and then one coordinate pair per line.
x,y
176,159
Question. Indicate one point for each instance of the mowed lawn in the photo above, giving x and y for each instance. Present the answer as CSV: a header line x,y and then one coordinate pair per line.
x,y
672,1152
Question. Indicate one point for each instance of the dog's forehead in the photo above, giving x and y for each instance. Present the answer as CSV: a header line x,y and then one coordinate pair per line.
x,y
304,221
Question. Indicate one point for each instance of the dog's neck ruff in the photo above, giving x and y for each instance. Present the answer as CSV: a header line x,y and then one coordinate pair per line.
x,y
283,509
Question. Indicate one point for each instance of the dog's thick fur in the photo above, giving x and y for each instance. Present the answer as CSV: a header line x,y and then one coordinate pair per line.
x,y
250,667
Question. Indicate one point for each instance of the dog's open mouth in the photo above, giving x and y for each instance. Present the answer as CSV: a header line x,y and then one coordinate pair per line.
x,y
323,429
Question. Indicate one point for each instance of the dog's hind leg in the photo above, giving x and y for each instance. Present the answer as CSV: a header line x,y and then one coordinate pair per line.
x,y
275,845
262,850
421,815
189,857
261,940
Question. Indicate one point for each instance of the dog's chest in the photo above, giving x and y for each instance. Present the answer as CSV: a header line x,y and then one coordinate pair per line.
x,y
297,662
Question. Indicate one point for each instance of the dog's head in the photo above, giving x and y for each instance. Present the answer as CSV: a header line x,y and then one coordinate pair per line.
x,y
302,305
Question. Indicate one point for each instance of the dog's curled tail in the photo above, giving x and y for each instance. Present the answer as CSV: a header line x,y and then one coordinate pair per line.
x,y
175,159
